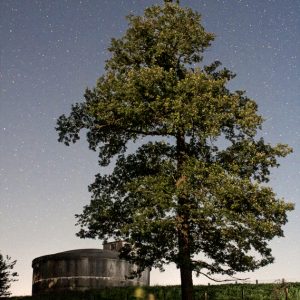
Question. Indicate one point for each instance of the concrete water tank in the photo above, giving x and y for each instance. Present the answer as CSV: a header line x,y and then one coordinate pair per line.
x,y
83,269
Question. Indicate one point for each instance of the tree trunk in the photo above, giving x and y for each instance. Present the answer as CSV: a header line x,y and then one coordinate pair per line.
x,y
186,277
184,254
186,284
185,264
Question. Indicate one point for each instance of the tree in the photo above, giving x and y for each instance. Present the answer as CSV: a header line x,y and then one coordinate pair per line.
x,y
193,192
6,275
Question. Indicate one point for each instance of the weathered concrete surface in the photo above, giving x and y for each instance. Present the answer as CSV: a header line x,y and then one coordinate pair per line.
x,y
82,270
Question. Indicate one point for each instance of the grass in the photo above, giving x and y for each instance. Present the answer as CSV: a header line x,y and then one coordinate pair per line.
x,y
276,291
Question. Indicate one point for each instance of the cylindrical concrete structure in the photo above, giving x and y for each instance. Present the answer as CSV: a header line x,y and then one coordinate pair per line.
x,y
81,270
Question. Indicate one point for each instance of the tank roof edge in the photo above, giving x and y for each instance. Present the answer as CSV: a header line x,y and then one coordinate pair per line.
x,y
69,254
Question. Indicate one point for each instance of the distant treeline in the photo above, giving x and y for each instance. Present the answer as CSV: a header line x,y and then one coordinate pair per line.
x,y
276,291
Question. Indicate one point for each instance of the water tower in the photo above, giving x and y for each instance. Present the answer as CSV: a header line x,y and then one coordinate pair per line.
x,y
84,269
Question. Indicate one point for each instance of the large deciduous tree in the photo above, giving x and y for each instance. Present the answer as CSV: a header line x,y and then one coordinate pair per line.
x,y
189,172
6,275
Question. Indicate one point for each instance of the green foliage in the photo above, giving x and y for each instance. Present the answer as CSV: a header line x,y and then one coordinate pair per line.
x,y
6,274
214,292
196,183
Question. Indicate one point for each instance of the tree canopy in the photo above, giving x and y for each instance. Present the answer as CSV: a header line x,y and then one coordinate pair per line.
x,y
6,275
196,182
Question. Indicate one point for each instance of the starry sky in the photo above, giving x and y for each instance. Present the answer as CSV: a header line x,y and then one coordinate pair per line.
x,y
52,50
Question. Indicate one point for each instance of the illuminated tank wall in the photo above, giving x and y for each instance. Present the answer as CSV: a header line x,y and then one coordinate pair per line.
x,y
84,269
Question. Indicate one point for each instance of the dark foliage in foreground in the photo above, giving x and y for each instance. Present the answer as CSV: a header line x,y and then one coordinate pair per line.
x,y
7,276
274,291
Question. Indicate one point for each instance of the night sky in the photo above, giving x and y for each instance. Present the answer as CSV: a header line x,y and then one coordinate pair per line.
x,y
52,50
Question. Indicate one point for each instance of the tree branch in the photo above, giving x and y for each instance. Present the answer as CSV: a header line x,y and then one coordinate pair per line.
x,y
135,131
223,280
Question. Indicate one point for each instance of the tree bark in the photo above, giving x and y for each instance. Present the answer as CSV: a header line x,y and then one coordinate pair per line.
x,y
186,284
184,254
185,269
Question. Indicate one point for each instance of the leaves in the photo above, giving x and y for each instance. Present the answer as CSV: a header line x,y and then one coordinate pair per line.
x,y
6,275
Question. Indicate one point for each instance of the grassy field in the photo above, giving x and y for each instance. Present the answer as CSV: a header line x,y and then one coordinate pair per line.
x,y
277,291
